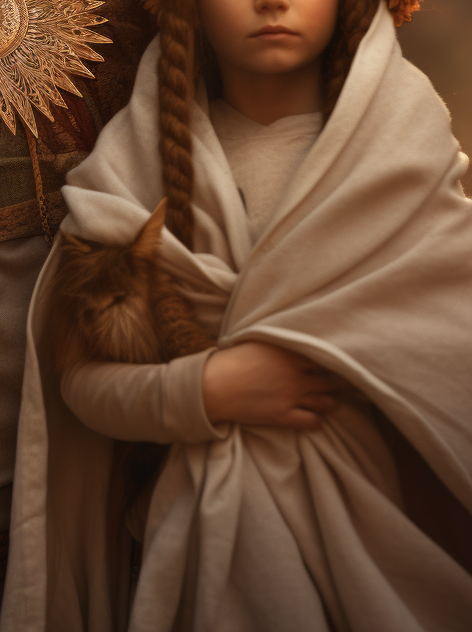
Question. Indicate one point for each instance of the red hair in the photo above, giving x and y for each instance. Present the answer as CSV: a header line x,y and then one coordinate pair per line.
x,y
402,10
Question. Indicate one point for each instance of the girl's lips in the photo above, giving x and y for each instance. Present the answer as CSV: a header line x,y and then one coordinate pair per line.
x,y
274,36
273,31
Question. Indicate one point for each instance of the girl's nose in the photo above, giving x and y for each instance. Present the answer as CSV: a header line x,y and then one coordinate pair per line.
x,y
270,5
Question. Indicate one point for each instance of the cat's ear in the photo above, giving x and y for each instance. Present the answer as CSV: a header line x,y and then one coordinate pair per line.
x,y
78,244
150,235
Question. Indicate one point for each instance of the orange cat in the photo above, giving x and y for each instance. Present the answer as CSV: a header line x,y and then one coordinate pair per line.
x,y
112,303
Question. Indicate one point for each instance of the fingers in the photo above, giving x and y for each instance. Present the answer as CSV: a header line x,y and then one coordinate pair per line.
x,y
317,403
322,383
301,419
295,419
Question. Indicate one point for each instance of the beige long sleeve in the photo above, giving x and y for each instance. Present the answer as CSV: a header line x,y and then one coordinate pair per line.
x,y
162,403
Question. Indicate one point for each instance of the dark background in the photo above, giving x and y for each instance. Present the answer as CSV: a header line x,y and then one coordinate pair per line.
x,y
439,42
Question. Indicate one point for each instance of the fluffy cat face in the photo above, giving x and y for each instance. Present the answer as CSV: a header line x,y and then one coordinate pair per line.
x,y
107,288
104,280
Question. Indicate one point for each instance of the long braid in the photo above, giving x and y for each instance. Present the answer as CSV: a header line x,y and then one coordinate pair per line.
x,y
175,69
354,20
137,463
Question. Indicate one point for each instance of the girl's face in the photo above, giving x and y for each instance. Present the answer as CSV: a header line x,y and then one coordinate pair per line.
x,y
268,36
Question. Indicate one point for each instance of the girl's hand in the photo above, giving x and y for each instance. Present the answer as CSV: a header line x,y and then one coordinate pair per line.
x,y
256,383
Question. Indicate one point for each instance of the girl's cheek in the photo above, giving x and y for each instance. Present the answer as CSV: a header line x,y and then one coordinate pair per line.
x,y
321,21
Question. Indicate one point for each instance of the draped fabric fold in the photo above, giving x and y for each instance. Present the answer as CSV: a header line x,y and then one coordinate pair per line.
x,y
365,268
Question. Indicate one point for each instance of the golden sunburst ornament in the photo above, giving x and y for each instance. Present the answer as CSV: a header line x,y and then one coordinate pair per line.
x,y
42,43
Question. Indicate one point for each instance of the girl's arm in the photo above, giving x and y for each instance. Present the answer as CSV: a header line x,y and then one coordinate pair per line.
x,y
253,384
161,403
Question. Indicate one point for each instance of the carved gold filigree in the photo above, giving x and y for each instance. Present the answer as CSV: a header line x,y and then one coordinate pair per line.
x,y
42,43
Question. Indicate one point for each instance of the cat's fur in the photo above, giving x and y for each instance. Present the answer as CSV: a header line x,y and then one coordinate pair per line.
x,y
113,303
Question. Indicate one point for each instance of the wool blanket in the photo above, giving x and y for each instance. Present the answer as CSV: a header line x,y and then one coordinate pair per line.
x,y
365,268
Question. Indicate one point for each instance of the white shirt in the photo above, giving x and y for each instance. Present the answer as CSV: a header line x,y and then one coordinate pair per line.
x,y
263,158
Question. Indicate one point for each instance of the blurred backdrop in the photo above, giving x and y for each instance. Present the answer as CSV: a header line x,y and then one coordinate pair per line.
x,y
439,41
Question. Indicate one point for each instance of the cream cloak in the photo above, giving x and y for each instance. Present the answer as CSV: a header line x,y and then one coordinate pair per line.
x,y
366,268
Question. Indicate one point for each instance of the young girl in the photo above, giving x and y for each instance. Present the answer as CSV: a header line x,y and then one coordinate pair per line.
x,y
317,223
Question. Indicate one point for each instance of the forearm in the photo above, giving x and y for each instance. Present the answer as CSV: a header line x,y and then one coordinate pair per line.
x,y
159,403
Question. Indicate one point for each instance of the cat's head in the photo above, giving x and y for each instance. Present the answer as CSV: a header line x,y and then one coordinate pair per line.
x,y
103,278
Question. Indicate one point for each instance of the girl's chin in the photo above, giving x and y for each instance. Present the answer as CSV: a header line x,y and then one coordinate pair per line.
x,y
276,67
